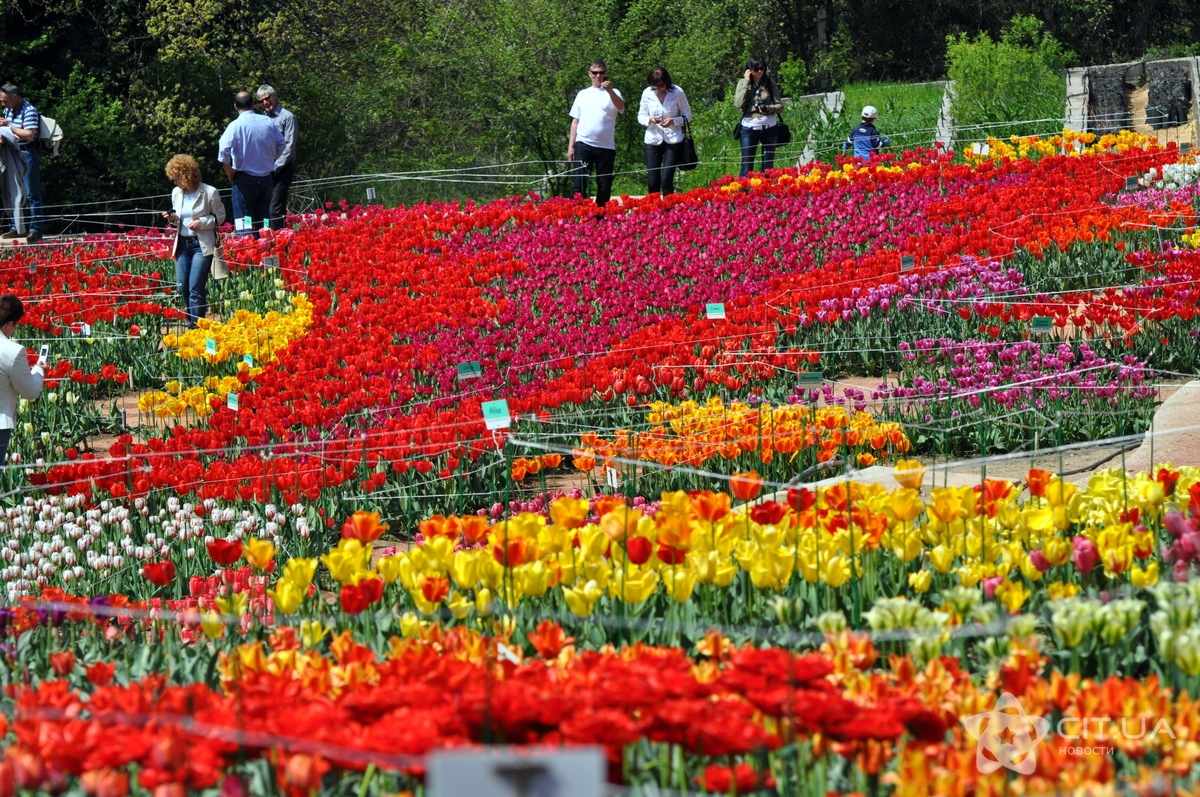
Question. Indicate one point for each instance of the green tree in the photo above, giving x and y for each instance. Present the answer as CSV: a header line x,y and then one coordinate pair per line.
x,y
1017,78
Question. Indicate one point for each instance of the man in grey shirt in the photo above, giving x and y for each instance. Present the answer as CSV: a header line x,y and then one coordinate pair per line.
x,y
285,164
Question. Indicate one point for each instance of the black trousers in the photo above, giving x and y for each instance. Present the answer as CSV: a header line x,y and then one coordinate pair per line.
x,y
281,183
661,160
589,158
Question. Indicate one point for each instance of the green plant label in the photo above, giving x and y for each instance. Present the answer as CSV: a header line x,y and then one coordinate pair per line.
x,y
469,370
1041,324
908,263
1131,183
247,223
210,346
495,414
231,400
248,360
1185,148
32,266
715,311
810,377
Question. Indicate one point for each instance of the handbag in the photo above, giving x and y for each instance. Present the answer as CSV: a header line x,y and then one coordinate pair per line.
x,y
737,131
784,134
690,159
220,269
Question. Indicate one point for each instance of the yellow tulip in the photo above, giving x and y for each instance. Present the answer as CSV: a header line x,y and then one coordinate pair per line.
x,y
837,571
312,632
942,559
463,569
920,581
459,605
679,582
1142,579
483,602
1029,570
1013,595
300,572
345,561
633,586
534,579
390,568
212,625
969,575
259,553
947,505
906,544
1058,492
909,473
582,599
569,512
410,626
906,505
235,605
287,596
1056,550
1060,590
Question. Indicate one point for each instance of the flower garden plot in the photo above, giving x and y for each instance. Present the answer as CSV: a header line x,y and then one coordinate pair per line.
x,y
613,556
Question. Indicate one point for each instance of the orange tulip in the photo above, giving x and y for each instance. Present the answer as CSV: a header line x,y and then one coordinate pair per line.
x,y
1037,480
709,505
364,527
745,486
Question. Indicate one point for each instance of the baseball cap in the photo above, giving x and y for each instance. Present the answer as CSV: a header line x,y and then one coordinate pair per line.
x,y
869,112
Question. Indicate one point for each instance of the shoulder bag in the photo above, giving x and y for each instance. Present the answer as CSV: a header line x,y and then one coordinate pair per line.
x,y
220,269
689,159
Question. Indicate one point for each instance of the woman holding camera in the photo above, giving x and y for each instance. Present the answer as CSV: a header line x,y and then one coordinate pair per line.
x,y
663,112
196,212
760,102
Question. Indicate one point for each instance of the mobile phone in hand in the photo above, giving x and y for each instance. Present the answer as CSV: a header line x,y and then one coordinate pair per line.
x,y
43,353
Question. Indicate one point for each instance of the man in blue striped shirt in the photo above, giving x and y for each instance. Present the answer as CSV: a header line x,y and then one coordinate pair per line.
x,y
248,150
22,118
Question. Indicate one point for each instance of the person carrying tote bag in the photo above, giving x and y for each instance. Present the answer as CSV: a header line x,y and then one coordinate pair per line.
x,y
664,112
196,211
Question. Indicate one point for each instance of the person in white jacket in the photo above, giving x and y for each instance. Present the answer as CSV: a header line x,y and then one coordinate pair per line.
x,y
17,379
196,211
663,111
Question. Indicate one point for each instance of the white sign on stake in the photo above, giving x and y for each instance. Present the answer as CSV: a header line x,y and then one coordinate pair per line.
x,y
715,311
612,478
517,772
371,194
495,414
210,347
239,224
231,400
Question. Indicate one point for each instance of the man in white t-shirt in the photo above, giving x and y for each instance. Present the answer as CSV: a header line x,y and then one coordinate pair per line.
x,y
593,143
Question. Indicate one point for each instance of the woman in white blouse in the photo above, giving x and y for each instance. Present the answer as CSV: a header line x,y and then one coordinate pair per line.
x,y
663,111
196,211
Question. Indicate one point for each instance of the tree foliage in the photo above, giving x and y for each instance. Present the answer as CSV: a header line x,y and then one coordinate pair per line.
x,y
395,85
1018,77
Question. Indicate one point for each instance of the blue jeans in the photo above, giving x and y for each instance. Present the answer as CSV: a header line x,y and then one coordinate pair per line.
x,y
191,275
33,189
251,197
751,138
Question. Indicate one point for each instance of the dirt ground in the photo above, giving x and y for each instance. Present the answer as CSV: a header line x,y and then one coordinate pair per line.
x,y
1137,99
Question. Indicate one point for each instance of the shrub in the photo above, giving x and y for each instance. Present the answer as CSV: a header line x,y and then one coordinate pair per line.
x,y
1018,80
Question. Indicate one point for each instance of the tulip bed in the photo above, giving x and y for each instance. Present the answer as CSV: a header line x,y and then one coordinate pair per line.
x,y
304,562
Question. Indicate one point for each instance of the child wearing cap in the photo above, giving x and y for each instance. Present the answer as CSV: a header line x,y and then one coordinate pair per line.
x,y
865,138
